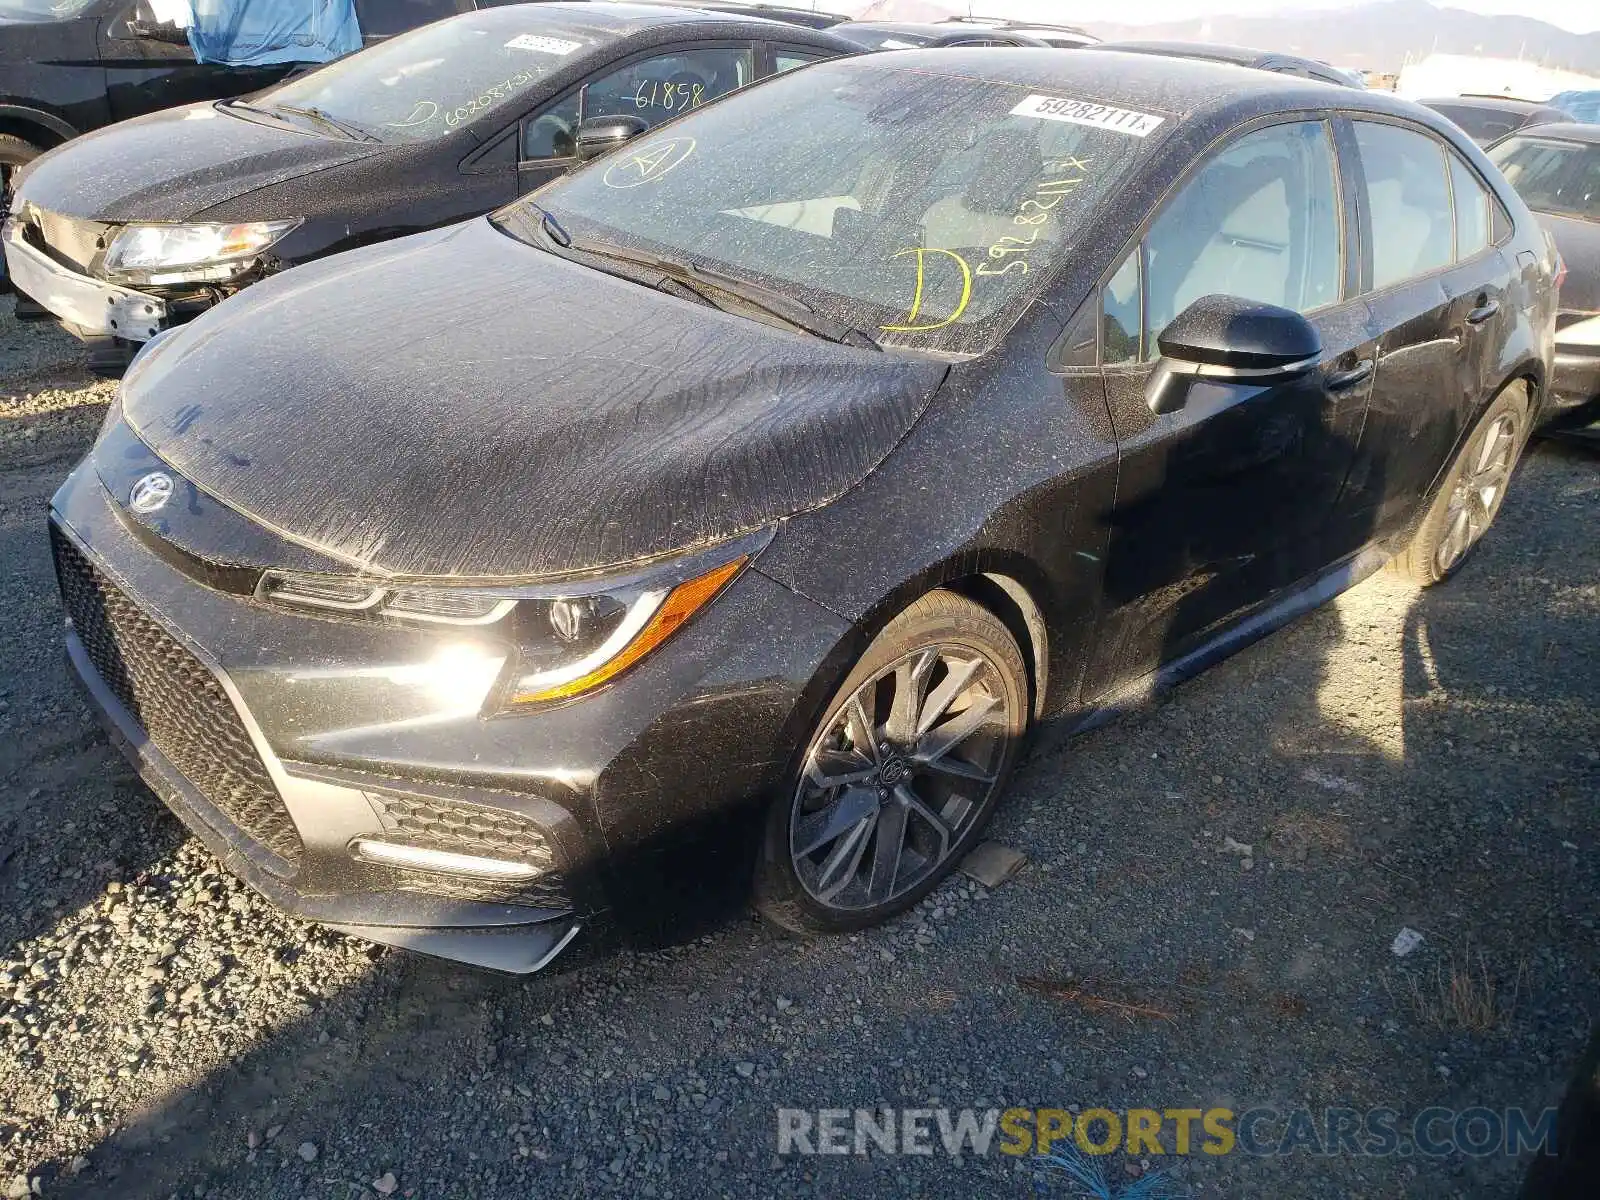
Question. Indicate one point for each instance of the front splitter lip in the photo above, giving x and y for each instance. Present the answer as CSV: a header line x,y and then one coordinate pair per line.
x,y
497,937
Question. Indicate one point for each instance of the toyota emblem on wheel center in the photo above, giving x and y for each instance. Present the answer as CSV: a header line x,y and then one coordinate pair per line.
x,y
150,492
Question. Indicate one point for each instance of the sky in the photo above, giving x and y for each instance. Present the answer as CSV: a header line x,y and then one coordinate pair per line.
x,y
1580,16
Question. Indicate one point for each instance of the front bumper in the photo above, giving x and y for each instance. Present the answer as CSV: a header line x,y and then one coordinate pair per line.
x,y
1574,408
283,741
87,307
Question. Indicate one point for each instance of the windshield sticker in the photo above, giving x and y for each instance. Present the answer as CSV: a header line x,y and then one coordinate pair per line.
x,y
915,311
542,45
896,44
1084,112
648,163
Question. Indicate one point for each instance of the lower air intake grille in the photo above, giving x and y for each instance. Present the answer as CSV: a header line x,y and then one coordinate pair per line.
x,y
461,828
178,702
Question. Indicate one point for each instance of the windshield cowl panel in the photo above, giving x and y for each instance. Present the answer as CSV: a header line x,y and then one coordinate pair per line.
x,y
924,210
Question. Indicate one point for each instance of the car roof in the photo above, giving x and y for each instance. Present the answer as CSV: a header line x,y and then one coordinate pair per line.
x,y
621,19
811,18
1243,56
1564,131
1507,104
935,35
1217,96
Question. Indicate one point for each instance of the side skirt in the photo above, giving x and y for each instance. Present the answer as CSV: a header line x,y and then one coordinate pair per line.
x,y
1274,615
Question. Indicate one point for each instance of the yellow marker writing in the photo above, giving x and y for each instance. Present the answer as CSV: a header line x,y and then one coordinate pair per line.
x,y
916,299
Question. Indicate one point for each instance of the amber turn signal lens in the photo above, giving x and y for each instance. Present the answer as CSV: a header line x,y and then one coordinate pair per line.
x,y
681,603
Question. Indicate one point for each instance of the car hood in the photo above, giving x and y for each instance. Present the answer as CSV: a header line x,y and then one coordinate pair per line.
x,y
1579,243
459,404
170,165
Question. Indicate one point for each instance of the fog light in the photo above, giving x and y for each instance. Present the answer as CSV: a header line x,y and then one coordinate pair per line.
x,y
419,858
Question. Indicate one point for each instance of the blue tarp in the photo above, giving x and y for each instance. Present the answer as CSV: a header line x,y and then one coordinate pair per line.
x,y
256,33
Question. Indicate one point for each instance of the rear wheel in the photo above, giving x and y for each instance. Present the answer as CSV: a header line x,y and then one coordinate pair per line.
x,y
1471,494
902,773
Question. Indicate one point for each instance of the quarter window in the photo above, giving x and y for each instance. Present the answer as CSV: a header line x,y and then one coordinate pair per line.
x,y
1121,303
1473,211
1260,221
787,60
1409,201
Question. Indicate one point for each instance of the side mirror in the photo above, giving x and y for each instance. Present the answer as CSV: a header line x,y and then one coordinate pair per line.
x,y
604,134
1228,339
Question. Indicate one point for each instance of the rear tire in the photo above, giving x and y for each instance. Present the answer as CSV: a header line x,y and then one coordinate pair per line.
x,y
919,743
1471,494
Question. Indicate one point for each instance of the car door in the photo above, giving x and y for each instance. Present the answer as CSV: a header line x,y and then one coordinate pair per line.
x,y
149,65
655,87
1437,291
1224,501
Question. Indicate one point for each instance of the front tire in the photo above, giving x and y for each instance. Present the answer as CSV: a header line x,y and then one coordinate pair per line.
x,y
898,780
15,152
1471,494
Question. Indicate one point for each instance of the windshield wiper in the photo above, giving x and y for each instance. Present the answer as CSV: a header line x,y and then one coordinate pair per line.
x,y
705,281
348,128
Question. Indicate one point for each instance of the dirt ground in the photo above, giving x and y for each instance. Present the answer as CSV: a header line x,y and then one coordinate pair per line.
x,y
1213,890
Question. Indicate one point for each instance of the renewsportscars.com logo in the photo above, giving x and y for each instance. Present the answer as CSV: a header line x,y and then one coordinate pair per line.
x,y
1148,1132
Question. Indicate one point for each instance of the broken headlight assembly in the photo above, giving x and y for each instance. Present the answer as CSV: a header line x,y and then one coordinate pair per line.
x,y
569,640
202,252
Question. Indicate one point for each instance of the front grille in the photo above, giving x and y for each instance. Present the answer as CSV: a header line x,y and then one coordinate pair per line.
x,y
178,702
462,828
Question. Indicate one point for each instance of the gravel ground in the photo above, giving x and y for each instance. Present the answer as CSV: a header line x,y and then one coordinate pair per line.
x,y
1233,864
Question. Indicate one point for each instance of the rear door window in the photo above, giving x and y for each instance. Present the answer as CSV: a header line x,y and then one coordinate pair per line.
x,y
1408,197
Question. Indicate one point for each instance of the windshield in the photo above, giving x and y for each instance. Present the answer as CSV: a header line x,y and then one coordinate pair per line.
x,y
43,10
1552,176
432,80
924,209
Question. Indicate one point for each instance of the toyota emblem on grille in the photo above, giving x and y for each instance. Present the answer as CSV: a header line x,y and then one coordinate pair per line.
x,y
150,492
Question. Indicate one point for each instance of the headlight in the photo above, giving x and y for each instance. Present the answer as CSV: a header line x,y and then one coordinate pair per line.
x,y
567,642
157,254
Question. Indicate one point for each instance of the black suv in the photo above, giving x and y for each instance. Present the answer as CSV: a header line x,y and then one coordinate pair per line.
x,y
69,66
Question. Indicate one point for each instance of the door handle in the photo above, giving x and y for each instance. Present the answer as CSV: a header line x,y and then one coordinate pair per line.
x,y
1340,380
1483,312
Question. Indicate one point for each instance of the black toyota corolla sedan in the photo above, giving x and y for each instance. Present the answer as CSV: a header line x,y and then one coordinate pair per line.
x,y
795,461
127,231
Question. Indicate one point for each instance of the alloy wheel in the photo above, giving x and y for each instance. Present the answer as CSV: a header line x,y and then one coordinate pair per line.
x,y
1478,493
898,775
